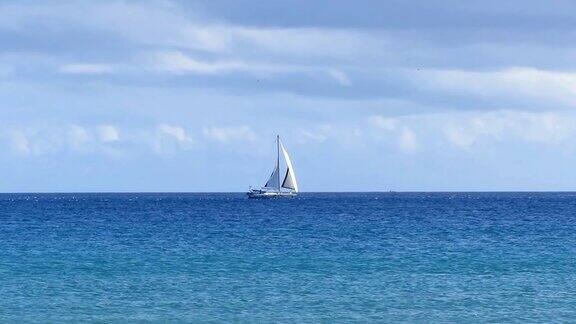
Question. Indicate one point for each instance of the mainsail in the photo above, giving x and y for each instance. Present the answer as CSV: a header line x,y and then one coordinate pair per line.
x,y
273,180
290,178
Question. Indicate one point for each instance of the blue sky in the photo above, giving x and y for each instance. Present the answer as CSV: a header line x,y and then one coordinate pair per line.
x,y
367,95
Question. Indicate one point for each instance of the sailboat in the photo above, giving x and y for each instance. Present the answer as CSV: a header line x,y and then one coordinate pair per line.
x,y
273,187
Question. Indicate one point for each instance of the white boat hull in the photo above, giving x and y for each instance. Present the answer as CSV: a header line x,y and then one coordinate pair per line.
x,y
261,194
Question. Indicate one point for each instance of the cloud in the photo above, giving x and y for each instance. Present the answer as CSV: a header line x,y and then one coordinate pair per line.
x,y
37,140
175,132
466,130
228,134
311,42
86,69
79,137
340,77
178,62
169,139
142,41
19,142
315,135
459,137
108,133
165,24
547,128
155,40
105,139
408,141
513,84
389,124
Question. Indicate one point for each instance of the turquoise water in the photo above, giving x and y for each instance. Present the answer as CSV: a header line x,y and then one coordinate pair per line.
x,y
361,257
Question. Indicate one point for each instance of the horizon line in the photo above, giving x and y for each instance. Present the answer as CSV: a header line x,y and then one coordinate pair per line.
x,y
302,192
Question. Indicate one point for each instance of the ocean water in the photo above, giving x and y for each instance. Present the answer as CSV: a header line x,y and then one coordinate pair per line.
x,y
342,257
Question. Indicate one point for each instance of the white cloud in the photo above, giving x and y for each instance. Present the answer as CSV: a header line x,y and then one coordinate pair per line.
x,y
307,42
549,128
308,136
407,141
78,137
175,132
460,137
164,38
466,129
514,83
37,140
315,135
170,139
182,40
227,134
108,133
340,77
164,23
86,69
177,38
149,22
19,142
389,124
178,62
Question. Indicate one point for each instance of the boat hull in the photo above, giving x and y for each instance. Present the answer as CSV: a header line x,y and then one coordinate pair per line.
x,y
269,194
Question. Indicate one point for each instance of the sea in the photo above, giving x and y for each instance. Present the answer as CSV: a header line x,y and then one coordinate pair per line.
x,y
390,257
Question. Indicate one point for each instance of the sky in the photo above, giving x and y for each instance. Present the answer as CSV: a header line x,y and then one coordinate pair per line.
x,y
187,96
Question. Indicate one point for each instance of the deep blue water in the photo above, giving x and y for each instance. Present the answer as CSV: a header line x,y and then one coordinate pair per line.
x,y
350,257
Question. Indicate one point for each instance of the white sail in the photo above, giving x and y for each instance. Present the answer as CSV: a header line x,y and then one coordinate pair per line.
x,y
273,180
290,178
288,182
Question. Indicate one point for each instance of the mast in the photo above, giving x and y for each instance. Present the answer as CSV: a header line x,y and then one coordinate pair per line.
x,y
278,160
